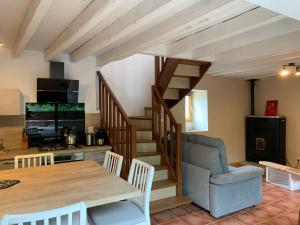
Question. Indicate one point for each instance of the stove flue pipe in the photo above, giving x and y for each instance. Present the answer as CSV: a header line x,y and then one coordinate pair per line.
x,y
252,95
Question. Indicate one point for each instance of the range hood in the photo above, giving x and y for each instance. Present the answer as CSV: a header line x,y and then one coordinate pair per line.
x,y
56,89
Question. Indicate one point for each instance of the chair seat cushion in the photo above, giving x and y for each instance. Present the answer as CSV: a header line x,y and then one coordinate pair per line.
x,y
118,213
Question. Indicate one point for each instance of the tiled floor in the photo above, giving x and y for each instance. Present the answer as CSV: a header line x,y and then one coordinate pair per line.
x,y
279,207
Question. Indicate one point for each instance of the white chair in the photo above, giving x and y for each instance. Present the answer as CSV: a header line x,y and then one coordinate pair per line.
x,y
70,215
113,162
34,160
131,212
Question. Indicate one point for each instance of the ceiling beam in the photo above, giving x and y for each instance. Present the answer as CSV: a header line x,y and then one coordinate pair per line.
x,y
268,31
219,67
98,15
34,16
240,24
287,8
199,16
240,69
147,14
277,45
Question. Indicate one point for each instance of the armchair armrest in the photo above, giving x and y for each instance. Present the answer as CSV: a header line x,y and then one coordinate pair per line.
x,y
237,175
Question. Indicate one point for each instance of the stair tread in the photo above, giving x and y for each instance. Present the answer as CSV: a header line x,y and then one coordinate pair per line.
x,y
168,203
184,76
163,184
145,141
141,117
148,107
140,129
141,154
160,167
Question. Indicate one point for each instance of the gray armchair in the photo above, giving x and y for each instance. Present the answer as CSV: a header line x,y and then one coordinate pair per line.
x,y
210,183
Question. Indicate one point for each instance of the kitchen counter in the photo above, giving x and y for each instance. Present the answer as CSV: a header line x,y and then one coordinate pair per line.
x,y
12,153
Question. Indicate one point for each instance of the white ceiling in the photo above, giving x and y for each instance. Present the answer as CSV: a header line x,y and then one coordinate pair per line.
x,y
241,38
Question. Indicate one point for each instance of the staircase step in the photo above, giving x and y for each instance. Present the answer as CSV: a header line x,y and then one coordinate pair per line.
x,y
161,173
180,83
146,146
171,102
152,158
144,134
171,93
163,189
168,203
187,70
148,111
141,122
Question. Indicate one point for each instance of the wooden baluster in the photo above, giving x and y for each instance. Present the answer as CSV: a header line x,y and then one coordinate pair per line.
x,y
178,159
110,116
107,109
165,132
133,142
159,121
123,141
113,125
171,147
118,132
127,148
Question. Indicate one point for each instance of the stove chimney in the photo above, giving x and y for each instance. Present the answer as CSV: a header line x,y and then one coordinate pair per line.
x,y
252,96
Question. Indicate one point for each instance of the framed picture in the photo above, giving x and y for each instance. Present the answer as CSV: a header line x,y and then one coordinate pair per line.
x,y
271,108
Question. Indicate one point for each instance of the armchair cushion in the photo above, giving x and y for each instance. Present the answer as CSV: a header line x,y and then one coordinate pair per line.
x,y
204,156
237,175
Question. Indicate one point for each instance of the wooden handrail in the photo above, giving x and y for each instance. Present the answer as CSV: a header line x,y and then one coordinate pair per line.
x,y
120,131
167,133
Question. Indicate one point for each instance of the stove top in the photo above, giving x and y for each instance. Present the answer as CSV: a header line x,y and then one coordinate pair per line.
x,y
57,147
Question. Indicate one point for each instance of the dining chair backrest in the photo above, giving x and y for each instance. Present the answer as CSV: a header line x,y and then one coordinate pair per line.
x,y
113,162
141,176
33,160
58,216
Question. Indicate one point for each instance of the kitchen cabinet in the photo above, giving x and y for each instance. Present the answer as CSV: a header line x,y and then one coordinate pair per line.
x,y
10,102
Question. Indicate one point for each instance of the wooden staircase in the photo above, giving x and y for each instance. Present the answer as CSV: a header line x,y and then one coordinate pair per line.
x,y
164,189
175,78
154,137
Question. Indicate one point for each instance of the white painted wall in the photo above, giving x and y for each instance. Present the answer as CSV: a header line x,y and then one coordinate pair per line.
x,y
287,92
21,73
131,80
228,104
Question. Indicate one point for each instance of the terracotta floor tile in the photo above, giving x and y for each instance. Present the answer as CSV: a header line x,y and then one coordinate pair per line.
x,y
195,208
227,221
162,217
196,219
283,220
179,212
174,222
247,218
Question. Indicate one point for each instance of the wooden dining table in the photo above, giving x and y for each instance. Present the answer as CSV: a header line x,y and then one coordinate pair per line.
x,y
59,185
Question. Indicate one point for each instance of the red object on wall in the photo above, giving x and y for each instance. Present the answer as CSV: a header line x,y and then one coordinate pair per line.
x,y
271,108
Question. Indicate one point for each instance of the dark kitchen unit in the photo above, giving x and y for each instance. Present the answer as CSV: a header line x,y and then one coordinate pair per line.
x,y
46,122
266,139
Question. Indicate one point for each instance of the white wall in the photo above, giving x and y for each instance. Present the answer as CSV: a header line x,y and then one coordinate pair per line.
x,y
21,73
287,92
131,80
228,104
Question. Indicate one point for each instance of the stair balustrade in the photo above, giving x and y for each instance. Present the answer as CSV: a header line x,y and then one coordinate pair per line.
x,y
120,131
167,133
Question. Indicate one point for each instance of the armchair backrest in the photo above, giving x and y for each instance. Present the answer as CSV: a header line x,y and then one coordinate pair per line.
x,y
205,151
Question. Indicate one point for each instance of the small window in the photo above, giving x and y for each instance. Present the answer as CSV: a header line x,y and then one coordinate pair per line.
x,y
196,111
